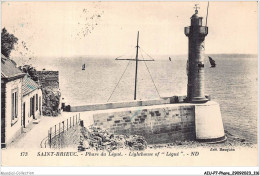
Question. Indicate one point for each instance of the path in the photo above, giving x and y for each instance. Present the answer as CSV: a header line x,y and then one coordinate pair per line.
x,y
35,133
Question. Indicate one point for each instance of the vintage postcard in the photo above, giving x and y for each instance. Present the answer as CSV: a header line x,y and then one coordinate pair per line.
x,y
129,83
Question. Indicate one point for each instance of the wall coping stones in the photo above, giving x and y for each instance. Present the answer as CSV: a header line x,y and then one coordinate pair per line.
x,y
93,108
125,104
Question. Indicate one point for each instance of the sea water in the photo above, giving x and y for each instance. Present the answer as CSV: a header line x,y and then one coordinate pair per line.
x,y
233,83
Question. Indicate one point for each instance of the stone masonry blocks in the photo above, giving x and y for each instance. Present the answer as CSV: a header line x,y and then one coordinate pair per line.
x,y
156,124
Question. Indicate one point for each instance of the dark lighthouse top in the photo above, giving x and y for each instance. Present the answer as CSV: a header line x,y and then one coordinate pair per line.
x,y
196,26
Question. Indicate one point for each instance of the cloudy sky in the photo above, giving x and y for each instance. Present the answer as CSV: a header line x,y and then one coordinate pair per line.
x,y
64,29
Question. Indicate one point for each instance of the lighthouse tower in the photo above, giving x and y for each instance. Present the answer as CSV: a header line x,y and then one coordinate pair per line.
x,y
208,121
195,65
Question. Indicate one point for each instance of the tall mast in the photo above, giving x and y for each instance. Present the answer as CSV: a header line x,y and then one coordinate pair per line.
x,y
136,68
136,65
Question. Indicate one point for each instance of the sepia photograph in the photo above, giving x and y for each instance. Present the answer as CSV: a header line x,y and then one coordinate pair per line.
x,y
149,83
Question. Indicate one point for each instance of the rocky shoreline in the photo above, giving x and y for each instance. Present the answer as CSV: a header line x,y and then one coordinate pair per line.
x,y
99,139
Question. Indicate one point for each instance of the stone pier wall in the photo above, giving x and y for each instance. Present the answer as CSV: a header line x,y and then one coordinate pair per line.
x,y
125,104
49,81
158,124
69,138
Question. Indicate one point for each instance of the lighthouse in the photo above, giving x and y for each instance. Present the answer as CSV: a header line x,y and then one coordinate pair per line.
x,y
195,64
208,121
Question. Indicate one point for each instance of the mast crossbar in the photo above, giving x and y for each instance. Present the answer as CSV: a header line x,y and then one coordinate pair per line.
x,y
136,63
134,60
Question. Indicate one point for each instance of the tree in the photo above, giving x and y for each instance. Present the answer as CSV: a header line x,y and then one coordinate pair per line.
x,y
31,71
7,42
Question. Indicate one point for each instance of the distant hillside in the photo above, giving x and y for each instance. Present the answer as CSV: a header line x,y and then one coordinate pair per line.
x,y
41,62
233,55
217,56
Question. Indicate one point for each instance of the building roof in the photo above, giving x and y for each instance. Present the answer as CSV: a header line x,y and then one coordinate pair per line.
x,y
28,85
9,69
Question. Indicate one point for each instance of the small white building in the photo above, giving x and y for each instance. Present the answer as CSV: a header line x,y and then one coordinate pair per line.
x,y
21,101
31,101
11,101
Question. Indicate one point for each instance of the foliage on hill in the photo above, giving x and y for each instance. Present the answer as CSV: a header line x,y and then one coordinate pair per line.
x,y
7,42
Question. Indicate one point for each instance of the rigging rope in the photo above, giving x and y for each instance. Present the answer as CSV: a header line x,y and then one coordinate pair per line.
x,y
118,81
207,14
130,49
150,75
146,54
